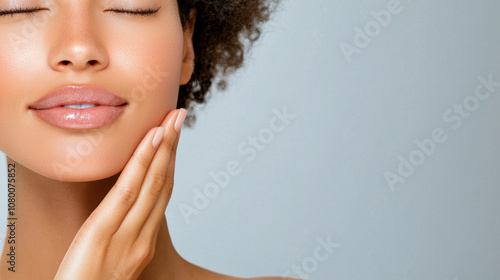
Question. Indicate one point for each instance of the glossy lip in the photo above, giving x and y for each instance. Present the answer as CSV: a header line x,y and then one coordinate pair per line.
x,y
50,107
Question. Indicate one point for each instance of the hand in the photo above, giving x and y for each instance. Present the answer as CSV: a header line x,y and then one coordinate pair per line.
x,y
118,239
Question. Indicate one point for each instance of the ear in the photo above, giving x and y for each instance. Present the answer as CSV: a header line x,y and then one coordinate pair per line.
x,y
188,52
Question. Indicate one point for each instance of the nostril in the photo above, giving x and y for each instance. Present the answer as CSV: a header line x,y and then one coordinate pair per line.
x,y
89,62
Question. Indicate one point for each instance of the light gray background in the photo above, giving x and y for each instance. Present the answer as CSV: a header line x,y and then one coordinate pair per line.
x,y
323,175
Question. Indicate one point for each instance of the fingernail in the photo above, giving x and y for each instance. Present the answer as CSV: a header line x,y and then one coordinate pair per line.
x,y
160,132
171,120
180,119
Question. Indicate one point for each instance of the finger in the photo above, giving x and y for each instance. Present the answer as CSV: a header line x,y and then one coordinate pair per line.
x,y
157,215
153,185
110,213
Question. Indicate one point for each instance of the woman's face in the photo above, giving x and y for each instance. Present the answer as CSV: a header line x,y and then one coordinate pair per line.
x,y
140,58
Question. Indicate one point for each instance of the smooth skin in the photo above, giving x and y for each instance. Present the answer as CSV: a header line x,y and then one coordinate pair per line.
x,y
96,214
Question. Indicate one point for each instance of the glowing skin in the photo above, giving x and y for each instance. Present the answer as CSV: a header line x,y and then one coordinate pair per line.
x,y
137,57
63,175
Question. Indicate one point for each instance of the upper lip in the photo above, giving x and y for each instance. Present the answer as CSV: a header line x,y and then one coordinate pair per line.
x,y
78,94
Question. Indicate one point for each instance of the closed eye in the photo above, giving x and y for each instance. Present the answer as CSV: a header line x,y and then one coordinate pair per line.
x,y
12,12
141,12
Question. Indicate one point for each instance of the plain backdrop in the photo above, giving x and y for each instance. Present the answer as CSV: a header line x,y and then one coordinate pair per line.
x,y
372,97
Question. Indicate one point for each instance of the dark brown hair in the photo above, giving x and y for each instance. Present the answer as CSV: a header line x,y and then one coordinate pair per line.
x,y
224,30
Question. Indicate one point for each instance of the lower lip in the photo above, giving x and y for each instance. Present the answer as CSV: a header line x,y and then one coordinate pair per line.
x,y
71,118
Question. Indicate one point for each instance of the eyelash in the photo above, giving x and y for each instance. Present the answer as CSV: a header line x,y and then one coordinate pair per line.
x,y
21,10
140,12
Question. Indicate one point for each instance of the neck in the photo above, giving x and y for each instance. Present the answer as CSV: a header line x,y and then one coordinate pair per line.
x,y
49,214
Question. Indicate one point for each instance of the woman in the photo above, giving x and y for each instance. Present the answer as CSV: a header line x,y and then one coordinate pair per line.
x,y
88,98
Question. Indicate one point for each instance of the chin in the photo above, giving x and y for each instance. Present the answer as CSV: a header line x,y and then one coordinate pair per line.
x,y
84,173
94,167
72,165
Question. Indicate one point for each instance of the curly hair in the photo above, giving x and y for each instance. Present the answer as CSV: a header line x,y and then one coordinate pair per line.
x,y
224,31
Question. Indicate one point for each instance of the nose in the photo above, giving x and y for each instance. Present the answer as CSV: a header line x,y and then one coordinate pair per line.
x,y
76,42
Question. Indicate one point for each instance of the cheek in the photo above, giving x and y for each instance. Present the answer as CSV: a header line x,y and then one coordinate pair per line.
x,y
18,62
150,65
